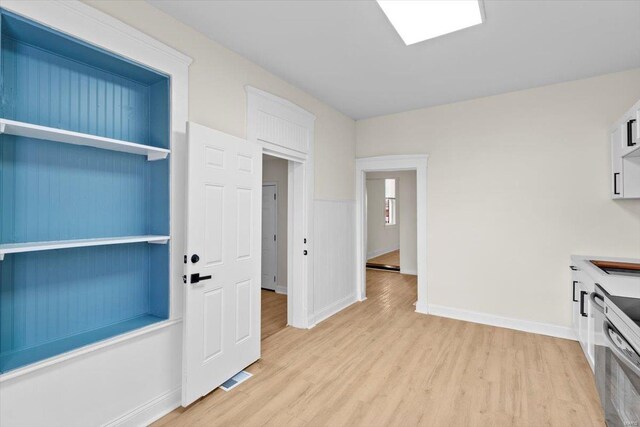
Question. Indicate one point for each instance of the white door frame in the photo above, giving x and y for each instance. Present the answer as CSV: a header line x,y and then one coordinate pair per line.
x,y
287,131
274,184
418,163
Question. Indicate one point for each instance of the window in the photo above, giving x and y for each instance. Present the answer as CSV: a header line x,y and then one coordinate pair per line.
x,y
390,202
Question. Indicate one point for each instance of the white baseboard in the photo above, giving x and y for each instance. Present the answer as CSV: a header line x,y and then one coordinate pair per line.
x,y
382,251
502,322
281,290
151,411
408,271
332,309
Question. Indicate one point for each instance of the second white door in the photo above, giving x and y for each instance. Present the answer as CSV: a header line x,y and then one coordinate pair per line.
x,y
269,236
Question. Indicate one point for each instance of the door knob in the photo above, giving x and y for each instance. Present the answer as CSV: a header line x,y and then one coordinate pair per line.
x,y
195,258
196,278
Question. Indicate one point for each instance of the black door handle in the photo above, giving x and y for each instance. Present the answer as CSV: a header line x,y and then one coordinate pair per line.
x,y
630,142
615,183
582,294
195,258
195,278
573,297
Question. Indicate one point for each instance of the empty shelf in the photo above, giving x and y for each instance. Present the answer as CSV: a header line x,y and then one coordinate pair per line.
x,y
17,358
12,248
634,152
28,130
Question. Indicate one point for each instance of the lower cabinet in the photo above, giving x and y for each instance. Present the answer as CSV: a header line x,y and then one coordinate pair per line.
x,y
582,313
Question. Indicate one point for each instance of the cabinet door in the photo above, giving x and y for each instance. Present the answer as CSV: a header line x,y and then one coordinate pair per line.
x,y
575,302
582,294
617,190
590,322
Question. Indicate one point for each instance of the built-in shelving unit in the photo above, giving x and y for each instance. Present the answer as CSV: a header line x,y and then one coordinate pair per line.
x,y
15,248
28,130
84,194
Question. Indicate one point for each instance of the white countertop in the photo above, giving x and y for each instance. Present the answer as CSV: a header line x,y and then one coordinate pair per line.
x,y
625,286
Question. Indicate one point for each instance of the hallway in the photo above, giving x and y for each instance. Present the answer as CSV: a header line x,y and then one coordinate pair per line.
x,y
380,363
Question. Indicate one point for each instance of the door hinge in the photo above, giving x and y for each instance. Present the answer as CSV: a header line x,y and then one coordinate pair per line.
x,y
274,237
274,197
274,279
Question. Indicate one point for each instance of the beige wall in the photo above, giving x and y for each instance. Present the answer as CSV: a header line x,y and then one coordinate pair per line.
x,y
217,97
516,183
277,170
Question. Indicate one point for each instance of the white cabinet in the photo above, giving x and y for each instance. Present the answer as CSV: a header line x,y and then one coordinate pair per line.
x,y
582,312
617,189
625,155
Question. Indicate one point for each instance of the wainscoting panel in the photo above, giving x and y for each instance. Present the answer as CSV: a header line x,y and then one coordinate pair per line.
x,y
334,257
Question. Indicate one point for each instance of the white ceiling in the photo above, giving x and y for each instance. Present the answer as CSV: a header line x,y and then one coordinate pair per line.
x,y
348,55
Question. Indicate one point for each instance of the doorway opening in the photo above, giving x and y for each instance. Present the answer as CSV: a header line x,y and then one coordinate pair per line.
x,y
391,220
275,184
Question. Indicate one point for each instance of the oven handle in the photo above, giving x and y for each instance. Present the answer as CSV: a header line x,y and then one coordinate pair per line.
x,y
593,297
614,348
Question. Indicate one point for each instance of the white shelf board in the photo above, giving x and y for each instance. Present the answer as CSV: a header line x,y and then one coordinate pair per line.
x,y
28,130
633,152
13,248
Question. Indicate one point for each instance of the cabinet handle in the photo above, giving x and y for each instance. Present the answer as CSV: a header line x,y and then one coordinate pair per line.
x,y
582,294
630,142
615,183
573,296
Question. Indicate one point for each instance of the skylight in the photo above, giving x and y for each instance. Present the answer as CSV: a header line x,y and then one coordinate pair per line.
x,y
419,20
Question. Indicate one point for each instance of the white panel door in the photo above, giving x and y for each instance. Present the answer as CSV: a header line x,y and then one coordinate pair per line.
x,y
222,280
269,237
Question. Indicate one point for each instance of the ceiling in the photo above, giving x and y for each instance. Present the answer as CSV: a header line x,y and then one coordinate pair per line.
x,y
347,54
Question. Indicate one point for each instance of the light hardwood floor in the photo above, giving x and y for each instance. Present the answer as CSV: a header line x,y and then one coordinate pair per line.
x,y
390,258
379,363
274,313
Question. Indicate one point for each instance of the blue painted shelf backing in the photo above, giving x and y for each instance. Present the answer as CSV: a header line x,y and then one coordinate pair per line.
x,y
54,301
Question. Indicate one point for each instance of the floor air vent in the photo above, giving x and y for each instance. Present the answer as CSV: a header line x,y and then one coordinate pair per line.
x,y
238,378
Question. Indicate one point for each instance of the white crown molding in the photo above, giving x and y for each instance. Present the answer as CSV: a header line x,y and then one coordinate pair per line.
x,y
283,102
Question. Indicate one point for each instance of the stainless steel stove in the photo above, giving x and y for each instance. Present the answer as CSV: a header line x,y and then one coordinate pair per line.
x,y
617,357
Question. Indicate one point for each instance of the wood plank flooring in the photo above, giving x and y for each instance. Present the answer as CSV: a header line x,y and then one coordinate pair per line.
x,y
274,313
379,363
390,258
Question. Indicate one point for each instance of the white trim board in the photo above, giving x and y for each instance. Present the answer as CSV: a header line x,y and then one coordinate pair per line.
x,y
499,321
151,411
332,309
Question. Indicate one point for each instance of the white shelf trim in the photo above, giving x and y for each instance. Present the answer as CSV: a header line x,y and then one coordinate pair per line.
x,y
29,130
633,152
13,248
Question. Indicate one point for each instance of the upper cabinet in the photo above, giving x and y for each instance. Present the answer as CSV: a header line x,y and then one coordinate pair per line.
x,y
625,155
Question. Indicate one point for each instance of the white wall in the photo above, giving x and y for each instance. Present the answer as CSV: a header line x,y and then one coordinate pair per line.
x,y
277,170
516,183
381,238
335,257
407,216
